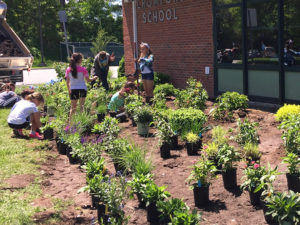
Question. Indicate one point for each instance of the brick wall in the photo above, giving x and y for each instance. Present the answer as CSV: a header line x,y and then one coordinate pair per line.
x,y
182,43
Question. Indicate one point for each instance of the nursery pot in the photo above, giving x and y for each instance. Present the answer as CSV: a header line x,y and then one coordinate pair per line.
x,y
192,148
119,167
112,114
102,218
45,108
100,117
143,128
142,204
229,179
255,159
174,142
72,159
201,196
121,117
95,200
269,219
152,213
199,143
165,151
255,197
62,148
48,134
133,122
293,181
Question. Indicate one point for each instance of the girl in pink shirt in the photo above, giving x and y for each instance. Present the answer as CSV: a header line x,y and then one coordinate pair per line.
x,y
76,77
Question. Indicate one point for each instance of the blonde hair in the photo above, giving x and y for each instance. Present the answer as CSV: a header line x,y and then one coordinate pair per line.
x,y
36,95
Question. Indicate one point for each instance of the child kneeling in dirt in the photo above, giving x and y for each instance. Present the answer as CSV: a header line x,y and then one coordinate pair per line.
x,y
116,103
24,112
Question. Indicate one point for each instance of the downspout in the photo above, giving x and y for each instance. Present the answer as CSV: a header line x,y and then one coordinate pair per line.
x,y
134,30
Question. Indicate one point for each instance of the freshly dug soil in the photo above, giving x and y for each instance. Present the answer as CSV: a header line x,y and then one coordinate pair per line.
x,y
7,47
63,180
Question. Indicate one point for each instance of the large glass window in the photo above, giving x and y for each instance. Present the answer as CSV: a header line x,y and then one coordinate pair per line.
x,y
292,33
229,35
262,24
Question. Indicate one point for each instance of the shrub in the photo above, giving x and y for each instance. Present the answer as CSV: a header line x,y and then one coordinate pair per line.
x,y
161,78
121,69
227,155
60,69
143,115
251,151
247,132
228,102
187,120
166,89
192,137
285,111
132,102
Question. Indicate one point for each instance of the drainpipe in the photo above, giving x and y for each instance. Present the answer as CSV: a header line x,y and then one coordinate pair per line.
x,y
134,30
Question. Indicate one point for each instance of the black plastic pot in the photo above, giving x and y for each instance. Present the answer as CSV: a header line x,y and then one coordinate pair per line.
x,y
62,148
95,200
48,134
119,167
133,122
192,148
199,143
201,196
112,114
100,117
293,181
229,179
269,219
102,218
255,159
121,117
152,213
255,198
142,204
174,142
165,151
72,159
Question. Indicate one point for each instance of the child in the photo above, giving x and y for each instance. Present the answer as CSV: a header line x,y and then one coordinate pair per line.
x,y
117,101
25,111
8,98
76,75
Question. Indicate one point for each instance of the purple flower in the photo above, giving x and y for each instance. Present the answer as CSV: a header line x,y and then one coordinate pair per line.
x,y
82,140
67,128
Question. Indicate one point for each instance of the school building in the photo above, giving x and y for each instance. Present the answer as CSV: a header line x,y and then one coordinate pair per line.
x,y
248,46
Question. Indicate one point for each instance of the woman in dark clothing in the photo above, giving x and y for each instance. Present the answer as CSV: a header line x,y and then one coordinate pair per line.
x,y
8,97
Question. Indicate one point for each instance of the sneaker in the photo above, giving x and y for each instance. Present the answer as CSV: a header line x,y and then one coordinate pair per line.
x,y
36,135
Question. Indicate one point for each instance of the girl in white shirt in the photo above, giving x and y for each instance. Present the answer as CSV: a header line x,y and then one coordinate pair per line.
x,y
26,111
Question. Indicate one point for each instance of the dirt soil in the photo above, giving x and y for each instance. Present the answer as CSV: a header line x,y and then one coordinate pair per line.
x,y
63,180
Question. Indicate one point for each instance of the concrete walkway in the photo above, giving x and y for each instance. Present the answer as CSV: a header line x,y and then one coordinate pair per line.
x,y
42,76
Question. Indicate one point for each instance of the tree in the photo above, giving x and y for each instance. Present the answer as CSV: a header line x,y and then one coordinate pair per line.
x,y
101,41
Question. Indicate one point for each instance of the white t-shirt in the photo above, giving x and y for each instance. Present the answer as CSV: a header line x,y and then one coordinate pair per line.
x,y
79,82
21,111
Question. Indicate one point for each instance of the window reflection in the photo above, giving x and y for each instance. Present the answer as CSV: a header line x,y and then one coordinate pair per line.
x,y
292,32
262,24
229,35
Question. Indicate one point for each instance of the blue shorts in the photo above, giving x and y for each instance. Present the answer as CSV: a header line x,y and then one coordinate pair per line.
x,y
147,76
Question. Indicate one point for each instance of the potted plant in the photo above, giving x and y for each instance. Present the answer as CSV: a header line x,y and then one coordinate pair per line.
x,y
293,175
48,131
227,156
165,135
255,179
211,151
193,218
132,102
200,179
251,153
284,207
169,208
192,145
143,116
101,111
152,195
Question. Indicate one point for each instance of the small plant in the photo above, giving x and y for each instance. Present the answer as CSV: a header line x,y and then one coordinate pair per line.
x,y
159,101
101,109
202,173
211,150
251,152
291,134
219,135
287,110
109,126
293,162
227,155
143,114
132,102
192,218
247,132
161,78
166,89
139,183
227,103
284,207
165,132
95,167
192,137
154,193
169,208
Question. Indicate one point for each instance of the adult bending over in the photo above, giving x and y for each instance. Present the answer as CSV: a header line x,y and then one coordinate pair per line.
x,y
26,111
101,66
8,97
76,77
145,62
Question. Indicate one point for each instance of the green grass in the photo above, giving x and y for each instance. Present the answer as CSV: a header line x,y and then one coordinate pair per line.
x,y
18,156
37,62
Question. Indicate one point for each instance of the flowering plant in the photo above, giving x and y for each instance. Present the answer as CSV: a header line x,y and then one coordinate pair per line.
x,y
202,172
257,177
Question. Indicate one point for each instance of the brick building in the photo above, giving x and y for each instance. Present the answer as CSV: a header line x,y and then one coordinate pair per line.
x,y
206,39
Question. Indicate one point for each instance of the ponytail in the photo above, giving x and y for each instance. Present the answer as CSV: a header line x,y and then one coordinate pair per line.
x,y
76,57
36,95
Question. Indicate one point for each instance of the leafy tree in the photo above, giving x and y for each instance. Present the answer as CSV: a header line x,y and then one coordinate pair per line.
x,y
101,41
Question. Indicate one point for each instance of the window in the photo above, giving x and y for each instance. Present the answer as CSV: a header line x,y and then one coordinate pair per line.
x,y
292,33
262,25
229,35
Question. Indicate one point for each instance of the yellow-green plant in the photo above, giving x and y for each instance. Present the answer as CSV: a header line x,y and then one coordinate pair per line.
x,y
192,137
285,111
219,135
211,150
251,151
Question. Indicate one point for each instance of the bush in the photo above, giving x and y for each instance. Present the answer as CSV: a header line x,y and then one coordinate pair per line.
x,y
60,69
187,120
285,111
143,115
228,102
247,132
166,89
121,70
161,78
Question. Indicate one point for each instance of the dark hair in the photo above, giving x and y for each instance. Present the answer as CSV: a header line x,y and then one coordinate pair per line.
x,y
76,57
130,85
26,92
9,86
102,54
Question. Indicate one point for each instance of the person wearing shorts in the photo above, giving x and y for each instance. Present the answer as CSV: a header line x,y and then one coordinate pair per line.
x,y
76,77
145,62
24,112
